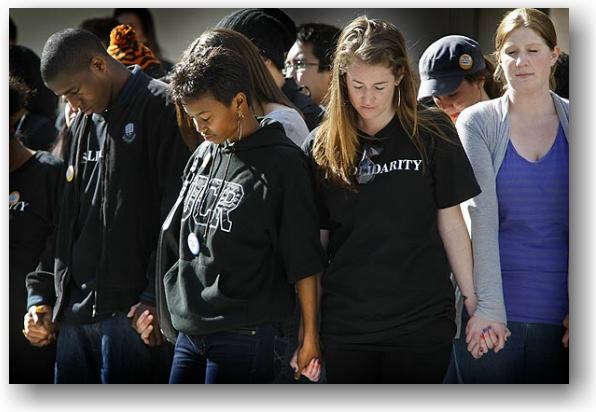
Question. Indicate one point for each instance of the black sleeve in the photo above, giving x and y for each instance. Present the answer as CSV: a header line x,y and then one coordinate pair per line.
x,y
317,182
44,136
40,288
169,159
168,154
452,173
40,283
299,244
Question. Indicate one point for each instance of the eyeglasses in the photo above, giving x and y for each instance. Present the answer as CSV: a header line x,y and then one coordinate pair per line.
x,y
364,174
296,65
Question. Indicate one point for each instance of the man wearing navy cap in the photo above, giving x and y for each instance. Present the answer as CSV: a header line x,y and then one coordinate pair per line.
x,y
445,65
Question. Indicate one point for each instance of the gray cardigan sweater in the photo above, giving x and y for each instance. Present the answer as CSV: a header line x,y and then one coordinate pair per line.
x,y
484,132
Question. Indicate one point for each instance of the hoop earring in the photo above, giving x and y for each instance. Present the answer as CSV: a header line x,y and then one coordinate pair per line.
x,y
398,96
239,127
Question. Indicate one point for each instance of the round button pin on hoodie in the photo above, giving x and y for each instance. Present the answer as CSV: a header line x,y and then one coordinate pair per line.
x,y
69,173
13,198
193,243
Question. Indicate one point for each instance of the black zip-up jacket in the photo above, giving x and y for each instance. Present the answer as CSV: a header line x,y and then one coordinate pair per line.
x,y
143,160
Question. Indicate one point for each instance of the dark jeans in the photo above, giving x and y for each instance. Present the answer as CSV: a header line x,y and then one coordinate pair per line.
x,y
421,356
236,356
533,353
28,363
452,375
397,366
109,351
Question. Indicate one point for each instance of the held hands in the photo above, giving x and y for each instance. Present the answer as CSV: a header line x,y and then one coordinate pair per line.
x,y
566,335
144,321
470,304
306,360
38,327
483,335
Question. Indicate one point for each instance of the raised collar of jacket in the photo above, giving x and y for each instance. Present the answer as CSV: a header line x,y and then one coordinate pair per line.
x,y
127,90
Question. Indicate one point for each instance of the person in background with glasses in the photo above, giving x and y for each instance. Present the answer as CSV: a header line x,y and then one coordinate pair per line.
x,y
309,59
390,177
273,32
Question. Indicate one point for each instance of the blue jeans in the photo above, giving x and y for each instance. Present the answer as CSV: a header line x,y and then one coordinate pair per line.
x,y
533,353
452,375
236,356
109,351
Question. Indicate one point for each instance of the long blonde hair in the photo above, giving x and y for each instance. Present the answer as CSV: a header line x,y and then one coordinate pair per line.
x,y
529,18
374,42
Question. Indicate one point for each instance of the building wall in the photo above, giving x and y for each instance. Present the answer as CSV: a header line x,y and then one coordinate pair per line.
x,y
176,28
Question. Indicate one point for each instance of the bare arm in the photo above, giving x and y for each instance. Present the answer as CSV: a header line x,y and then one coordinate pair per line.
x,y
458,248
308,349
313,368
482,334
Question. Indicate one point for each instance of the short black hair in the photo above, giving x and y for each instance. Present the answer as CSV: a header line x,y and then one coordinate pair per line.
x,y
323,38
24,64
19,94
13,31
214,71
69,51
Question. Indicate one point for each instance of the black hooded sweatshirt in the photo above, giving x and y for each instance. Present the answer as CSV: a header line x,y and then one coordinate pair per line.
x,y
122,173
247,231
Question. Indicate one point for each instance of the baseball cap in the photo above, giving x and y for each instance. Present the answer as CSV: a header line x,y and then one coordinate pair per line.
x,y
445,64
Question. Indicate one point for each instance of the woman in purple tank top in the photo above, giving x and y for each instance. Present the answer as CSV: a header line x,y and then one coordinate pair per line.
x,y
518,147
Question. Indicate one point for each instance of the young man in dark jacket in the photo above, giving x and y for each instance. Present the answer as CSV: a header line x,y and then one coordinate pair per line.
x,y
122,174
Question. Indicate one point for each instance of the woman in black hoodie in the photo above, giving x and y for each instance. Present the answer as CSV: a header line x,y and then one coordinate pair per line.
x,y
245,229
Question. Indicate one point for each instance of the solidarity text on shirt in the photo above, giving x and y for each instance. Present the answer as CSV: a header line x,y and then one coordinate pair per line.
x,y
401,164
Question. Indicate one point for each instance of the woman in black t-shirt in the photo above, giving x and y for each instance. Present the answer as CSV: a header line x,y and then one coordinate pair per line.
x,y
391,175
34,181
